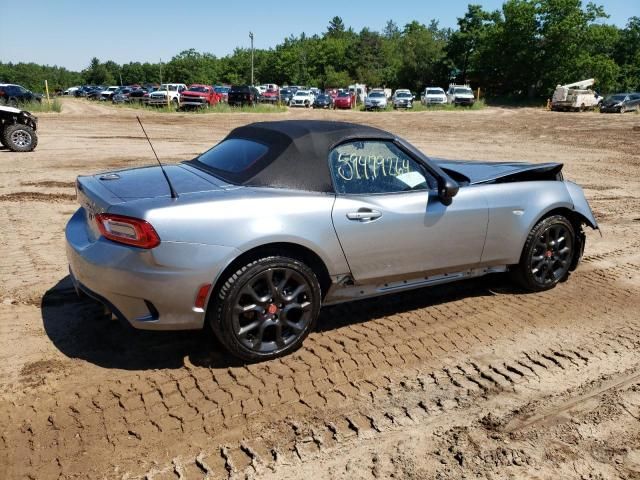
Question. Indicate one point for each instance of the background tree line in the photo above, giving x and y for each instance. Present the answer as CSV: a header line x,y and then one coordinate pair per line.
x,y
521,50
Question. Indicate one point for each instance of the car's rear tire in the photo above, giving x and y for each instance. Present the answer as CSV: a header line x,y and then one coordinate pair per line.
x,y
547,255
19,138
266,308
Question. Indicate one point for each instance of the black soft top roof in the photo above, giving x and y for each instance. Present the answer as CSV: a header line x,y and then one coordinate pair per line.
x,y
298,154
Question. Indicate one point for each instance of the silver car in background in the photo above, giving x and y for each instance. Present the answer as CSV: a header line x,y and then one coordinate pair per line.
x,y
376,100
402,99
255,235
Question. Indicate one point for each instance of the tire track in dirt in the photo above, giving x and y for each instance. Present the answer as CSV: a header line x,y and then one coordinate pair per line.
x,y
346,363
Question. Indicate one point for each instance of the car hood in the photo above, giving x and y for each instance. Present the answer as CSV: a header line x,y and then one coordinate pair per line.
x,y
187,93
483,172
149,182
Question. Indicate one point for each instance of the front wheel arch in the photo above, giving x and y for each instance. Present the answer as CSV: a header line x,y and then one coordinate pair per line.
x,y
576,219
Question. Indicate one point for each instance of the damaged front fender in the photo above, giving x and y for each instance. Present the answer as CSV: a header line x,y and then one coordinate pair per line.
x,y
580,204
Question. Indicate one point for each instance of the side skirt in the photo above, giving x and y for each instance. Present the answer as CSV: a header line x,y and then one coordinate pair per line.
x,y
343,289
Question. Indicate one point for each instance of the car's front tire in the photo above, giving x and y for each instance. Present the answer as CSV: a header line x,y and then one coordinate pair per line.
x,y
19,138
266,308
548,254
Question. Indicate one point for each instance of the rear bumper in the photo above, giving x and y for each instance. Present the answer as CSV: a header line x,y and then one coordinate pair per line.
x,y
150,289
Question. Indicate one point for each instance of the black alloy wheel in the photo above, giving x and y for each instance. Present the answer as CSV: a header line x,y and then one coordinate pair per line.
x,y
547,255
266,308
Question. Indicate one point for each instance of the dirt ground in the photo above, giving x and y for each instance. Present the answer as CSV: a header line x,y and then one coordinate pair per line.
x,y
469,380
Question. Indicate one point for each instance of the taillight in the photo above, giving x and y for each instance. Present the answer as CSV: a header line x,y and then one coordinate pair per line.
x,y
127,230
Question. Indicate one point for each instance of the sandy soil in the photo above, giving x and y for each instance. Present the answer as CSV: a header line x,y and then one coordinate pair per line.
x,y
470,380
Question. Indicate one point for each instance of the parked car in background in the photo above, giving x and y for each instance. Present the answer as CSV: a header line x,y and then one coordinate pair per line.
x,y
271,94
376,100
402,99
121,95
108,92
95,92
82,91
12,95
360,92
621,103
141,94
286,94
223,91
18,129
302,98
323,101
241,95
70,90
343,100
199,96
433,96
460,95
167,94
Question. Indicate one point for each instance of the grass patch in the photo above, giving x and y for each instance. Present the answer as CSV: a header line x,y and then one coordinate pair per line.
x,y
38,107
219,108
419,107
515,102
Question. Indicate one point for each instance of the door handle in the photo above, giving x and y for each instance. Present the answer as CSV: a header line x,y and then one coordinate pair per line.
x,y
364,215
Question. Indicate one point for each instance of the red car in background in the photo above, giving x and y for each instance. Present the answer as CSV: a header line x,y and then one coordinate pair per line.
x,y
271,94
199,96
343,100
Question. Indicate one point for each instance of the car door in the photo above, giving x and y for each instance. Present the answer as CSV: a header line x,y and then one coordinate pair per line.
x,y
390,221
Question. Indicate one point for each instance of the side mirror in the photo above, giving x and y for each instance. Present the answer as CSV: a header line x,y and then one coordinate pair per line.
x,y
447,191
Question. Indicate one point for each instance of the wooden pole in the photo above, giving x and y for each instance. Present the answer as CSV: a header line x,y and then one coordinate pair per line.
x,y
46,88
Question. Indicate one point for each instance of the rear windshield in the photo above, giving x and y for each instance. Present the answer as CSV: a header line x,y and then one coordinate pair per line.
x,y
234,155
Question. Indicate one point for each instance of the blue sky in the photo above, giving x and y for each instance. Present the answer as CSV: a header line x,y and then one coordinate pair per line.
x,y
68,33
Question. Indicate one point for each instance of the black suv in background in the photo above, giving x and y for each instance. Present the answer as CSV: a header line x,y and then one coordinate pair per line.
x,y
13,95
241,95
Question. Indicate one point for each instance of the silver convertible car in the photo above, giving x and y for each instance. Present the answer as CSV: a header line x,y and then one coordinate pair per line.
x,y
256,234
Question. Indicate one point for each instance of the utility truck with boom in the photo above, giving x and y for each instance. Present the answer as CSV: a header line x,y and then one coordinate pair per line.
x,y
575,97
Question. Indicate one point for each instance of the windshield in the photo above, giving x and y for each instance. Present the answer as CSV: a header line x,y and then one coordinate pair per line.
x,y
376,95
233,156
618,98
221,89
404,95
302,93
343,94
240,89
466,91
198,89
433,91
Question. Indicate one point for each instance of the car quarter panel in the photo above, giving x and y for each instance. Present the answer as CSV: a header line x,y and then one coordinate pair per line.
x,y
246,217
168,276
514,209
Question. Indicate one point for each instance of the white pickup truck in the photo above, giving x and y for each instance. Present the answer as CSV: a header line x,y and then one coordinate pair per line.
x,y
170,90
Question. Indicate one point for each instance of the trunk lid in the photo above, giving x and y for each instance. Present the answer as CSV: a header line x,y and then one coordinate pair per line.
x,y
149,182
